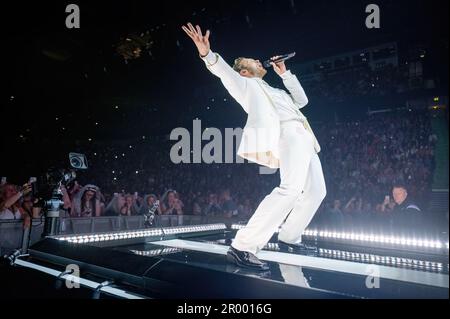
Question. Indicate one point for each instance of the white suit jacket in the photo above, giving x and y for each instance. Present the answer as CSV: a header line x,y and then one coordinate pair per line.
x,y
261,134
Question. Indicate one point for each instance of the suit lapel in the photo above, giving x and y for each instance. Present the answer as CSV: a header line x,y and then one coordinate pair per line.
x,y
267,94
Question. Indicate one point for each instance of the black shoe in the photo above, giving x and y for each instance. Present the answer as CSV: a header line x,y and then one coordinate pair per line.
x,y
246,259
296,248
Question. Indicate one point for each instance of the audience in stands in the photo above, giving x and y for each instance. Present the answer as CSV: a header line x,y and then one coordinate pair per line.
x,y
361,160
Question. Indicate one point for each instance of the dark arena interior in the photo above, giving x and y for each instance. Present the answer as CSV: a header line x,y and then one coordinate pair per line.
x,y
120,179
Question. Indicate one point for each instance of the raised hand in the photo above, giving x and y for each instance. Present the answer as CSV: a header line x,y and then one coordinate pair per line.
x,y
201,41
26,188
279,67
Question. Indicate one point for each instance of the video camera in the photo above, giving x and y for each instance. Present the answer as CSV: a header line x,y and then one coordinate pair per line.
x,y
48,190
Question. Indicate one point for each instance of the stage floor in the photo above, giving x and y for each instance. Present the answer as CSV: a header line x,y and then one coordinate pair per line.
x,y
329,272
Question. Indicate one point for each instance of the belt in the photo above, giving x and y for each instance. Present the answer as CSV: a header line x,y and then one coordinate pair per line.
x,y
303,121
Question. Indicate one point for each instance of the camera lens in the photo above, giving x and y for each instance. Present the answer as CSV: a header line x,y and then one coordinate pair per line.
x,y
76,163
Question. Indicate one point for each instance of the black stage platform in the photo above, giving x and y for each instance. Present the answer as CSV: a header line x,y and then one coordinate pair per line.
x,y
190,262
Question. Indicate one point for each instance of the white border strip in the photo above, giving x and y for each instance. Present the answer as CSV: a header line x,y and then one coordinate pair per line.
x,y
391,273
82,281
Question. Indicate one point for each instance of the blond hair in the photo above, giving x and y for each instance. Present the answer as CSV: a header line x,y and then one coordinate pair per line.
x,y
238,65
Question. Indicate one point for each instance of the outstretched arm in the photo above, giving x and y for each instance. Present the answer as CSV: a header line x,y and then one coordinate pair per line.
x,y
233,81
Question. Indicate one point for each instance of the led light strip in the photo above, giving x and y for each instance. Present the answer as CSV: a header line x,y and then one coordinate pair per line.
x,y
193,229
381,239
385,260
83,239
370,258
156,252
272,247
239,226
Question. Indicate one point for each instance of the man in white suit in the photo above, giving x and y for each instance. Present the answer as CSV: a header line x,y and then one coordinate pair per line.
x,y
277,135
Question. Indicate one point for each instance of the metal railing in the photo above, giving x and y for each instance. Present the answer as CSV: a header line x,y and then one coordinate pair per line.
x,y
13,234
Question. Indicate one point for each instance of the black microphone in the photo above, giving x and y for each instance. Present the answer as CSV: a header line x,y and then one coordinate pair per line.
x,y
280,59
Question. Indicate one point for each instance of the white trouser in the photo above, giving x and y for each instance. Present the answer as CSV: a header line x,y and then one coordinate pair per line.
x,y
300,170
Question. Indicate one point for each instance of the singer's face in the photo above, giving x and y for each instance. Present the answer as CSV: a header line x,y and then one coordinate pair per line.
x,y
254,68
